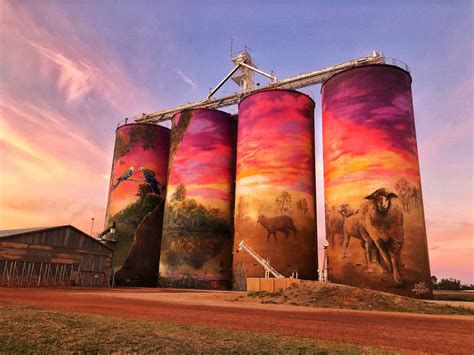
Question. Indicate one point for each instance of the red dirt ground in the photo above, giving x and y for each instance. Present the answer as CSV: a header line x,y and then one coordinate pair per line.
x,y
402,331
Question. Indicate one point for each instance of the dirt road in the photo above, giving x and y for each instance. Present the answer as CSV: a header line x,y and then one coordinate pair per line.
x,y
411,332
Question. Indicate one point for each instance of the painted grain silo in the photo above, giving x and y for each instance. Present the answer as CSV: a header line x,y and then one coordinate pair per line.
x,y
136,201
197,235
275,185
374,211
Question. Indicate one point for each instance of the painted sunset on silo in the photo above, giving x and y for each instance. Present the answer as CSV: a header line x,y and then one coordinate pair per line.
x,y
277,120
197,236
149,151
370,155
275,184
371,138
203,161
137,188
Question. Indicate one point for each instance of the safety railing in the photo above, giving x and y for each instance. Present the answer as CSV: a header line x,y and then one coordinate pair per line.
x,y
397,63
129,121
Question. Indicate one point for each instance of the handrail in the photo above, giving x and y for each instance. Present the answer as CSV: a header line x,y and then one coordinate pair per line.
x,y
396,63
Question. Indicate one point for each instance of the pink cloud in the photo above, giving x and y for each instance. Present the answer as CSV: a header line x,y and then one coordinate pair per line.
x,y
59,91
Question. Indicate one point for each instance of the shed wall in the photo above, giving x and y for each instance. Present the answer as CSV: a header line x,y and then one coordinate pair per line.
x,y
62,255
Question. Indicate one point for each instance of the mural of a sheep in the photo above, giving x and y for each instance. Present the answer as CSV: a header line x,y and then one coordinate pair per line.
x,y
273,225
346,210
353,229
334,225
383,222
335,222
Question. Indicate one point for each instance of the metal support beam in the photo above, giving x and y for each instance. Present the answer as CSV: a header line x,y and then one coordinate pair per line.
x,y
295,82
227,77
261,72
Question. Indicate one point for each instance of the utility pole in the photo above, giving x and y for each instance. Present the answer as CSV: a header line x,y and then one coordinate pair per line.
x,y
92,225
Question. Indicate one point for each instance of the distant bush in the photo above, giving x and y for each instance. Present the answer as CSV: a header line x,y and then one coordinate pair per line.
x,y
449,284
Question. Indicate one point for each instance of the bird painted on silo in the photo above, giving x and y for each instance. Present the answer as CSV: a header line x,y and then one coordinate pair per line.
x,y
125,176
150,178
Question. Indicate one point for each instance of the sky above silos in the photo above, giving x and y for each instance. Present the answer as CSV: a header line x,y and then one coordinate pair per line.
x,y
70,70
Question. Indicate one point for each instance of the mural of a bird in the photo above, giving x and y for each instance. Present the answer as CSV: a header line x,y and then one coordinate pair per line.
x,y
125,176
150,178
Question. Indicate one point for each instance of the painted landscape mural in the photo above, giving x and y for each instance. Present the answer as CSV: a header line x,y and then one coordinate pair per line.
x,y
136,201
197,235
275,185
374,211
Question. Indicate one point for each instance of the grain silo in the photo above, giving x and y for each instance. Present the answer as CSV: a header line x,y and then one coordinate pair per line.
x,y
275,185
374,210
136,201
197,234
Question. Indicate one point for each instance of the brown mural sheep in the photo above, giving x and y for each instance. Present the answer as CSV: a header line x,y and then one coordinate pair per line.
x,y
353,229
383,222
334,225
273,225
336,217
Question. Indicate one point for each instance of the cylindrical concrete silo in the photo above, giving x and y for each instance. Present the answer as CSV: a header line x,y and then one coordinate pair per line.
x,y
197,234
374,212
275,193
136,201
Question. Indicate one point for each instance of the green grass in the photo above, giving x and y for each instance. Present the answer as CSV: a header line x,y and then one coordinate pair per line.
x,y
313,294
30,330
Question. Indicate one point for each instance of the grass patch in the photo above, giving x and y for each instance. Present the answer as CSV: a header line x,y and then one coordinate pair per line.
x,y
461,296
27,330
316,294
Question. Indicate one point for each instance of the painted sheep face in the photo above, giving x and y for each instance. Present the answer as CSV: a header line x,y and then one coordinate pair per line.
x,y
261,219
382,203
382,199
344,209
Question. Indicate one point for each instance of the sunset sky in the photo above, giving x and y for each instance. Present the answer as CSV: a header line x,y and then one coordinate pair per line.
x,y
69,71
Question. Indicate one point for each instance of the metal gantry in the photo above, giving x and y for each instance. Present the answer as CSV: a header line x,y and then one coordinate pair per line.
x,y
243,62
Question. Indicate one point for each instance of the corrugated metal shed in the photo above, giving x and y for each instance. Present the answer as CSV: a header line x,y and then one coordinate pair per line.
x,y
53,256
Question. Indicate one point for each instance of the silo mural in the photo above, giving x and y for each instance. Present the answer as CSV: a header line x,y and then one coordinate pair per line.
x,y
275,185
197,238
374,212
136,201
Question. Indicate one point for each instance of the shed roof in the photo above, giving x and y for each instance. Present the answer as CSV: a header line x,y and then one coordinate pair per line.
x,y
7,233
